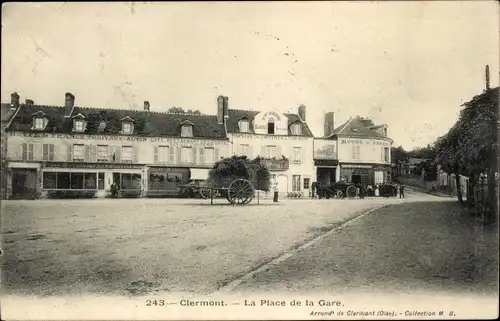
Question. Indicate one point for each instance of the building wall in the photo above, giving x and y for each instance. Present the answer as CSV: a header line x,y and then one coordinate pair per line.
x,y
284,147
144,147
367,151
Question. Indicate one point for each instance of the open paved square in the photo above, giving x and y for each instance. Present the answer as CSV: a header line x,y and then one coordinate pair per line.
x,y
140,246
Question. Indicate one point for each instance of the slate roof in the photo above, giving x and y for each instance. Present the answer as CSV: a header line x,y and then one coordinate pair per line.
x,y
146,123
235,115
355,129
6,112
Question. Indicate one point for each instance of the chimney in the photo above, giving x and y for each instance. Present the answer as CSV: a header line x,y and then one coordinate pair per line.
x,y
329,123
146,105
302,112
30,102
220,109
14,99
69,104
487,75
225,107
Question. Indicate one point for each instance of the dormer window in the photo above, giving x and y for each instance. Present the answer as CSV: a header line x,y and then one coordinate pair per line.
x,y
102,126
243,125
187,129
385,132
79,123
270,126
40,121
296,129
127,125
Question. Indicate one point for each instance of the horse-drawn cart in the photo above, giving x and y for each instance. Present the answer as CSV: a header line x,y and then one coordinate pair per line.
x,y
235,179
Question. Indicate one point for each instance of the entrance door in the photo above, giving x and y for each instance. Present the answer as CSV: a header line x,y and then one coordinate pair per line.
x,y
307,186
24,183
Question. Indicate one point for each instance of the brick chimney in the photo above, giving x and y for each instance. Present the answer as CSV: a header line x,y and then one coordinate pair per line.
x,y
329,123
225,107
220,109
302,112
14,99
69,104
146,105
30,102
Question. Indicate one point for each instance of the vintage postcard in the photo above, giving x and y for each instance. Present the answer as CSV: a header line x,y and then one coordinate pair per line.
x,y
249,160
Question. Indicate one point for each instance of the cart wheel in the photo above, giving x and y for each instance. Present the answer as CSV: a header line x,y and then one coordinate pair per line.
x,y
205,193
339,194
240,192
351,191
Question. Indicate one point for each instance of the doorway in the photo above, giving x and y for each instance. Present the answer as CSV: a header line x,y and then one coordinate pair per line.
x,y
24,183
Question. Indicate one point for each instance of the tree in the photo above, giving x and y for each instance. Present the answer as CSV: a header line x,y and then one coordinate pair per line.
x,y
180,110
398,154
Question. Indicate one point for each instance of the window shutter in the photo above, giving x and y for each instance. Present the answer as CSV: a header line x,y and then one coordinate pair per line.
x,y
216,154
202,155
179,156
45,151
87,153
279,154
172,154
93,153
24,151
155,156
69,152
193,156
31,151
51,151
110,153
136,154
118,152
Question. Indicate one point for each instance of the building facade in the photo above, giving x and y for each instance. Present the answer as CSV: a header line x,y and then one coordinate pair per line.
x,y
284,141
78,151
353,152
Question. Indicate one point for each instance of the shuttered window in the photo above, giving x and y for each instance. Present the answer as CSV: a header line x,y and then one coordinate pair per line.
x,y
102,153
163,154
48,152
127,154
209,155
187,155
296,155
78,152
28,151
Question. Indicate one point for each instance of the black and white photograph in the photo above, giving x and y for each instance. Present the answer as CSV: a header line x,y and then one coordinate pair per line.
x,y
275,160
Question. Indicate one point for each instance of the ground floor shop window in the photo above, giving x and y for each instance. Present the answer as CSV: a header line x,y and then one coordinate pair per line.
x,y
159,181
70,180
131,181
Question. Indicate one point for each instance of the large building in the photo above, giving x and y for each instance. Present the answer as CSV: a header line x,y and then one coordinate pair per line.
x,y
283,140
7,111
78,151
353,152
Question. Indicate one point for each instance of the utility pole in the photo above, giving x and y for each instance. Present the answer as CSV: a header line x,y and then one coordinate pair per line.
x,y
487,77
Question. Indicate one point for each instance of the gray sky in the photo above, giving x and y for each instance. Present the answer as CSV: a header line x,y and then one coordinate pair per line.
x,y
409,65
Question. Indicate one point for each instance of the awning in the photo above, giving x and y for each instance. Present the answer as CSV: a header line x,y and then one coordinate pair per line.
x,y
199,173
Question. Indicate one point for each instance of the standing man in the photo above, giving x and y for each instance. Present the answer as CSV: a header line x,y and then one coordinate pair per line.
x,y
276,192
361,191
401,191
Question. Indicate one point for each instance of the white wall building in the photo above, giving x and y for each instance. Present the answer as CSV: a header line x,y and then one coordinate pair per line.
x,y
284,140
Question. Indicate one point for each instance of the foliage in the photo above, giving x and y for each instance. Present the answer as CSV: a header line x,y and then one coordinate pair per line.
x,y
428,152
241,167
398,154
180,110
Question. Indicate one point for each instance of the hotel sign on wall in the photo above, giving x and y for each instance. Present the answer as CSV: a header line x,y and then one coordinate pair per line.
x,y
345,141
325,149
164,140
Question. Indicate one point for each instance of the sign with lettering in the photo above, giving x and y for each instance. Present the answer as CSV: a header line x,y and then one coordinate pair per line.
x,y
168,170
325,162
277,122
270,114
160,140
353,141
269,137
91,165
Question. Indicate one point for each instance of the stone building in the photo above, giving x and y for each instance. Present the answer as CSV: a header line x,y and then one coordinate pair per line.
x,y
78,151
352,152
284,141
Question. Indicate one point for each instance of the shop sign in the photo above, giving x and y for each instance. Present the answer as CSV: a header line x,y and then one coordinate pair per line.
x,y
163,140
92,165
325,162
356,166
168,169
375,142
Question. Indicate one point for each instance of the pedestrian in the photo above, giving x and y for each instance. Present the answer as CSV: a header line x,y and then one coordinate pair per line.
x,y
358,190
361,191
377,190
276,192
401,191
320,190
313,189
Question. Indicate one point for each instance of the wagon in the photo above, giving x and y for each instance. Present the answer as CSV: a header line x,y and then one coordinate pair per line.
x,y
236,181
340,189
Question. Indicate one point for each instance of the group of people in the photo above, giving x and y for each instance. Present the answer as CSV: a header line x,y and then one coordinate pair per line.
x,y
327,191
115,189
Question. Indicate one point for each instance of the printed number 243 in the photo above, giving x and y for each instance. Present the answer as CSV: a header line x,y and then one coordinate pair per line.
x,y
150,303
